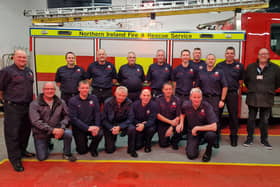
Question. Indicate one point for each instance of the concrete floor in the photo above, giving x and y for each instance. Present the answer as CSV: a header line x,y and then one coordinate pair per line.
x,y
225,154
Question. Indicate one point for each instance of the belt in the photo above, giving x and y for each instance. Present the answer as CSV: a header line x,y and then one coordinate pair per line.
x,y
16,103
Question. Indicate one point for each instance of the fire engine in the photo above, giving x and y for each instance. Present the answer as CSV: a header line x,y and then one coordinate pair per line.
x,y
48,46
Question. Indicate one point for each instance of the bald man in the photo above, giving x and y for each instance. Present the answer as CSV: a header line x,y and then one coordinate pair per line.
x,y
16,90
49,118
103,76
262,78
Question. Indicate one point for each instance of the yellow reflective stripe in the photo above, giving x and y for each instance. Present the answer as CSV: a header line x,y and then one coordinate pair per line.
x,y
139,35
276,61
49,63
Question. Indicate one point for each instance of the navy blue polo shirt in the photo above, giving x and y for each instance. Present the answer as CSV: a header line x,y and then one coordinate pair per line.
x,y
211,82
139,114
84,113
17,84
233,73
131,76
170,109
158,75
70,78
198,66
184,78
102,75
203,115
115,114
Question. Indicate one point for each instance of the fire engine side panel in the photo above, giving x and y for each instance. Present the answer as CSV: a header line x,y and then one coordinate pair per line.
x,y
49,55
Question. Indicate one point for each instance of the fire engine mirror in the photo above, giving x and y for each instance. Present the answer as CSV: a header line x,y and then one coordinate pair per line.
x,y
275,38
206,36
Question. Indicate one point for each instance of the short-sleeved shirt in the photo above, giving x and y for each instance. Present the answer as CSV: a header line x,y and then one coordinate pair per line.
x,y
158,75
102,74
211,82
84,113
233,73
198,66
70,78
203,115
170,109
131,76
139,113
184,78
17,84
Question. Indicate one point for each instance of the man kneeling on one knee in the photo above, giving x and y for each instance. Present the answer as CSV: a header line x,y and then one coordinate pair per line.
x,y
202,123
48,115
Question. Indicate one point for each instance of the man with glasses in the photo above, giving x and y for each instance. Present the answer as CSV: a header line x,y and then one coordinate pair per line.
x,y
262,78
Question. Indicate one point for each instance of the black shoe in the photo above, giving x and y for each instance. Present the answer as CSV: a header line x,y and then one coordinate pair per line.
x,y
94,153
27,154
17,165
248,142
175,147
147,149
69,157
233,140
207,155
50,145
133,154
266,144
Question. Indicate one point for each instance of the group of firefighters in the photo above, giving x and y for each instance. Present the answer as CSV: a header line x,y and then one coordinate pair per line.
x,y
188,99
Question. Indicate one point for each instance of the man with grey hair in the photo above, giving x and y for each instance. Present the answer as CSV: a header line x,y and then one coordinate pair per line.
x,y
115,117
131,75
262,78
159,73
49,118
202,123
16,91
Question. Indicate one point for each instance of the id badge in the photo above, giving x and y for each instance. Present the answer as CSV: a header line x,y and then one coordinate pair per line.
x,y
259,77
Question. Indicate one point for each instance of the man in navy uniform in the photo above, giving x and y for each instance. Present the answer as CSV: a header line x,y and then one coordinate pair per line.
x,y
233,72
262,78
168,117
159,73
213,84
84,113
184,76
202,123
49,118
197,63
68,77
16,89
116,110
131,75
142,117
103,76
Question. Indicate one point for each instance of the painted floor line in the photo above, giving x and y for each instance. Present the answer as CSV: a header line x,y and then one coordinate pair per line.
x,y
154,162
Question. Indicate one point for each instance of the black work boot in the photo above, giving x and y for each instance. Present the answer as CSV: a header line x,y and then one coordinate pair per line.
x,y
233,140
207,155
